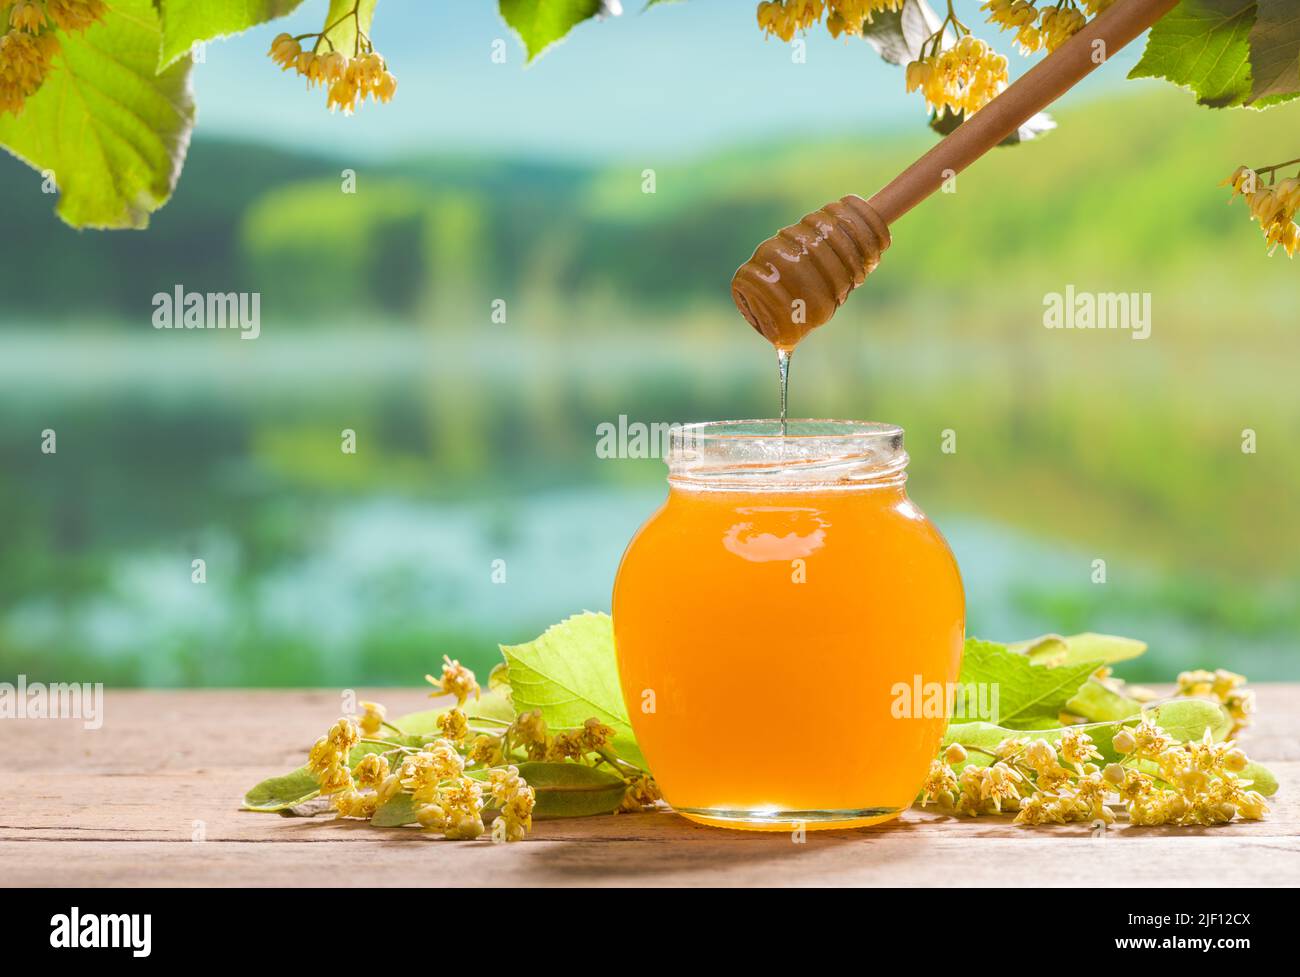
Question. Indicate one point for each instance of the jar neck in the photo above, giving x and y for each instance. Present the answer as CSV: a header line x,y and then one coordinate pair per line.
x,y
811,455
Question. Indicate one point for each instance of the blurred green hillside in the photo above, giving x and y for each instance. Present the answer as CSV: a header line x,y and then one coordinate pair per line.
x,y
1125,190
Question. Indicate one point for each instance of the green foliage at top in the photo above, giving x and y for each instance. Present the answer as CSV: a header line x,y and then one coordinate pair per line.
x,y
1203,45
109,127
1274,66
189,22
114,120
540,23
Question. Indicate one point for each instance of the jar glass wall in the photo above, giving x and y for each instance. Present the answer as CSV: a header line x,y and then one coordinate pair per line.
x,y
774,620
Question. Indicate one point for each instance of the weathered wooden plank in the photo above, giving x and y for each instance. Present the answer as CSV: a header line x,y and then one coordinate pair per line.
x,y
747,860
152,799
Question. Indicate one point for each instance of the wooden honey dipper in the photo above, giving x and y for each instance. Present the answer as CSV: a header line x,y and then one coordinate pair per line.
x,y
831,251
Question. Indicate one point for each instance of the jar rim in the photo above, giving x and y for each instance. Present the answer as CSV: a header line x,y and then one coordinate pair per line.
x,y
813,453
796,428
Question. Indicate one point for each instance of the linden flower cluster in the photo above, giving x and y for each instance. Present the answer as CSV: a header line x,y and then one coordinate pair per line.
x,y
962,79
463,772
28,43
1274,205
1157,781
348,80
783,18
1046,27
589,743
1224,686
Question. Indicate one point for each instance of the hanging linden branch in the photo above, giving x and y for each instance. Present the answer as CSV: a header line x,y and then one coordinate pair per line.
x,y
350,77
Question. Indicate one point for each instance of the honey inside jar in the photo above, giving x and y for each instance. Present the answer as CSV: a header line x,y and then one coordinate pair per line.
x,y
767,617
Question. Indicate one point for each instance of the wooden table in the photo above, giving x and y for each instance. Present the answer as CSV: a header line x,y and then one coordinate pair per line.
x,y
152,799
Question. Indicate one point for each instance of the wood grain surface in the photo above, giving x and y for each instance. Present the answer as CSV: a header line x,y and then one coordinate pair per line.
x,y
152,799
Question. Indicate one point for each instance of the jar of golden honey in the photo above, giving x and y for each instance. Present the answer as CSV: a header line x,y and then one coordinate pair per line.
x,y
773,620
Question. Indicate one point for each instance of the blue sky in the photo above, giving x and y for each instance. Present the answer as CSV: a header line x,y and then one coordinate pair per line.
x,y
678,80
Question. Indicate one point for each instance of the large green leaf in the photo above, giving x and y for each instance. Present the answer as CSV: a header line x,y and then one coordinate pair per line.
x,y
186,22
540,23
1275,53
1029,696
570,673
1203,45
112,131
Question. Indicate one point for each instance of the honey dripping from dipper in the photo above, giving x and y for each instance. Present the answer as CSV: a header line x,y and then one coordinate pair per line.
x,y
796,280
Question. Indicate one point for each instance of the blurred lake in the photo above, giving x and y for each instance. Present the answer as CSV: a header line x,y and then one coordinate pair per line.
x,y
326,568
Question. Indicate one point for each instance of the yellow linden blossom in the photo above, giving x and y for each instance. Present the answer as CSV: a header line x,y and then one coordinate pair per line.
x,y
485,750
454,725
24,63
27,15
1057,25
984,789
423,772
328,758
348,80
962,79
1077,747
372,719
462,805
371,771
1274,206
515,800
455,680
784,18
940,783
529,731
642,792
75,15
1046,28
595,735
1149,740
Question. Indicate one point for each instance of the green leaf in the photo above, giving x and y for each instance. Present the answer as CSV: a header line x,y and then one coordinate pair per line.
x,y
1275,53
1053,649
1098,702
572,790
540,23
1028,696
564,790
397,810
113,132
1261,778
186,22
1203,45
342,33
570,673
278,793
